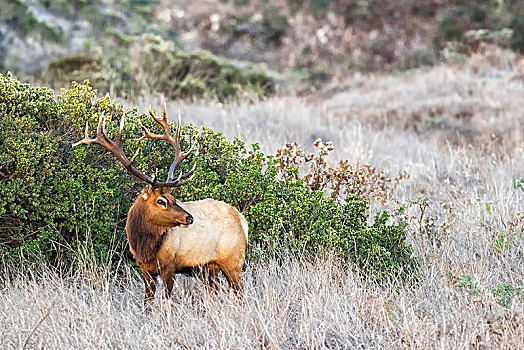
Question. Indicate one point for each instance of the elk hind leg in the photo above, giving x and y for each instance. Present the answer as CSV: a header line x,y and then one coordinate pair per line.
x,y
232,274
211,272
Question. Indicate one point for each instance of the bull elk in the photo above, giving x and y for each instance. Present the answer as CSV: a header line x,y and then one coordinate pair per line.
x,y
167,236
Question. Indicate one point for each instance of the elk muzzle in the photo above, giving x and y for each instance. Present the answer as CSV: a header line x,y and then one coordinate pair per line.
x,y
189,221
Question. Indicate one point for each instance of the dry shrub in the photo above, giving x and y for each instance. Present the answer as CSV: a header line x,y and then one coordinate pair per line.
x,y
428,229
491,57
347,179
513,230
517,224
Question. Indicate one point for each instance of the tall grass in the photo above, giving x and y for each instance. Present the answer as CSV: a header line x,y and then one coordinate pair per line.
x,y
287,302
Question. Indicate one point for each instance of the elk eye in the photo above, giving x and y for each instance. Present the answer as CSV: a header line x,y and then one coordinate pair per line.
x,y
161,202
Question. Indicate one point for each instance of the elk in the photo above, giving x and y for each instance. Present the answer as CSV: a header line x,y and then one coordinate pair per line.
x,y
167,236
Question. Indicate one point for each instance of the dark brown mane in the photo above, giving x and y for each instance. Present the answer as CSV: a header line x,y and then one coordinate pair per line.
x,y
144,238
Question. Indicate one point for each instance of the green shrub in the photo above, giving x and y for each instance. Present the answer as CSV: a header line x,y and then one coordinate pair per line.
x,y
52,195
78,68
152,65
57,200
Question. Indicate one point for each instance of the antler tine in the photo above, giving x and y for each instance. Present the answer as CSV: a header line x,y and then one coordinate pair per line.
x,y
183,182
176,146
148,134
179,125
164,112
174,141
163,122
179,156
188,174
86,138
177,182
134,156
121,128
152,114
115,147
183,155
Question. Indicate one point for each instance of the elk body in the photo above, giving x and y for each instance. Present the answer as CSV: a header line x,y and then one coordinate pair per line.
x,y
167,236
214,240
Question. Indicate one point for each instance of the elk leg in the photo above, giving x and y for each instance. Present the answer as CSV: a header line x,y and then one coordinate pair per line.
x,y
149,280
233,278
168,278
212,270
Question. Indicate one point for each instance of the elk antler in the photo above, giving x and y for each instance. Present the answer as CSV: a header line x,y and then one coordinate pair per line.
x,y
115,147
174,141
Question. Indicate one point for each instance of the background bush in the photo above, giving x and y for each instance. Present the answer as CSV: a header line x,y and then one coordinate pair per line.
x,y
59,200
153,65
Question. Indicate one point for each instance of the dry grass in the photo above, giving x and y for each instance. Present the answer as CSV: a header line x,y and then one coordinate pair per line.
x,y
470,227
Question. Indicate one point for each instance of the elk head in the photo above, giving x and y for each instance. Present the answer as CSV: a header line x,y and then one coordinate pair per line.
x,y
161,208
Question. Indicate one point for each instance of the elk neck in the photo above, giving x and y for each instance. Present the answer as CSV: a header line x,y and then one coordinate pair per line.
x,y
145,238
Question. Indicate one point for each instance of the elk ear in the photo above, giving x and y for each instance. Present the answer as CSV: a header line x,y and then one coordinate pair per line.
x,y
146,192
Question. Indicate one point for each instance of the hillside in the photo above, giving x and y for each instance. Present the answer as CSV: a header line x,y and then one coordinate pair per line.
x,y
311,42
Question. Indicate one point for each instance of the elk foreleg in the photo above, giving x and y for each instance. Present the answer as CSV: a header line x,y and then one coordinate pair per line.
x,y
149,281
168,279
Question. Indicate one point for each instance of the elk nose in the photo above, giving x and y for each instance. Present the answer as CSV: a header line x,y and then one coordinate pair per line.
x,y
189,220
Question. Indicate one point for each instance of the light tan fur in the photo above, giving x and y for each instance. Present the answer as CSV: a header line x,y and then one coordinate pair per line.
x,y
218,235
